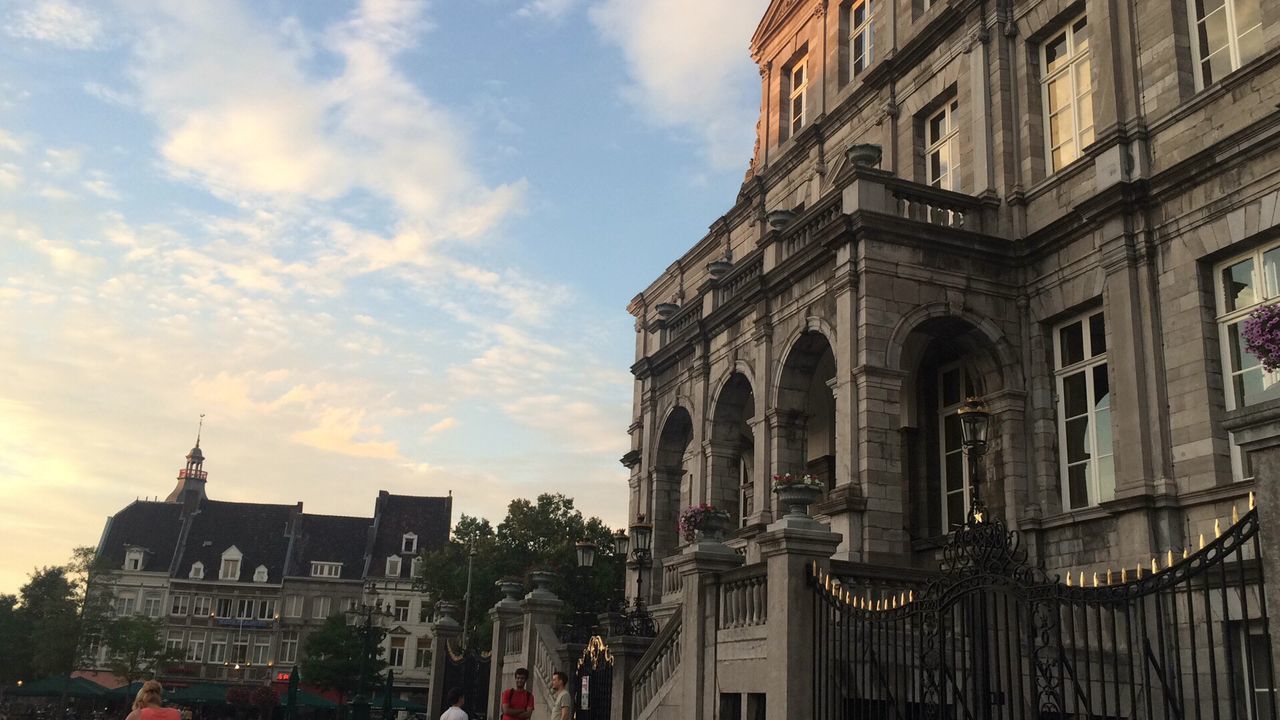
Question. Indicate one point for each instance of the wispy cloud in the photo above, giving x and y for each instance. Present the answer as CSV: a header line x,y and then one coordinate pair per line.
x,y
550,9
58,23
690,67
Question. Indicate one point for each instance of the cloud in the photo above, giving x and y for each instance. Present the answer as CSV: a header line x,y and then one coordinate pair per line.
x,y
99,185
109,94
550,9
694,75
10,143
10,176
57,23
442,425
342,431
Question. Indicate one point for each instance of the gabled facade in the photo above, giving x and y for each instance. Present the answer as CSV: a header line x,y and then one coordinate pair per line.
x,y
1066,208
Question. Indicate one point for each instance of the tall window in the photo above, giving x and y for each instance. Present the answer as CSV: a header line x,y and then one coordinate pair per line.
x,y
244,609
1084,412
151,606
1228,34
1068,94
747,490
395,657
200,606
289,647
218,648
798,77
195,648
293,606
126,605
954,385
422,656
197,571
1255,653
941,146
401,611
240,649
393,566
224,607
174,643
179,604
415,566
1242,284
266,609
133,559
320,608
230,568
858,20
261,649
409,543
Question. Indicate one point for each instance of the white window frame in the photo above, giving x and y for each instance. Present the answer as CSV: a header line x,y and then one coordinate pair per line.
x,y
229,568
174,642
422,653
396,607
320,607
260,654
179,605
197,571
797,121
861,30
396,655
944,411
133,559
289,647
1233,39
393,566
326,569
195,648
126,605
1266,291
226,602
260,574
217,648
1095,491
415,566
946,145
293,606
152,605
201,605
1076,56
409,543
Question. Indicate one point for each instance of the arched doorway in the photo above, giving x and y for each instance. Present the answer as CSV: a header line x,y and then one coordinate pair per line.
x,y
807,410
732,449
672,484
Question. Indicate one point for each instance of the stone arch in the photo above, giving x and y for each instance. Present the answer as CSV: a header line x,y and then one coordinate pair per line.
x,y
672,482
731,448
805,408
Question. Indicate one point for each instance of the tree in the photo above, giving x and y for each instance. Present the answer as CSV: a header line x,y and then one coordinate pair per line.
x,y
539,535
136,647
15,642
91,577
334,654
50,618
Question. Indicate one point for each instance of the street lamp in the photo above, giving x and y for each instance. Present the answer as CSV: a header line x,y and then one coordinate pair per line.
x,y
621,542
975,421
586,554
637,621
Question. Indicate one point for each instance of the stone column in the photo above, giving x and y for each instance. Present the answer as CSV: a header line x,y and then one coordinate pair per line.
x,y
1257,431
724,484
700,566
505,615
788,547
666,487
880,395
626,652
445,630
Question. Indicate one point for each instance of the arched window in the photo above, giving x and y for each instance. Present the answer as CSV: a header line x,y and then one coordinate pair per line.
x,y
732,450
408,543
230,568
197,571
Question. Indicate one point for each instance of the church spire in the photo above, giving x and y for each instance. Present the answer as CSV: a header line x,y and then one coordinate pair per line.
x,y
191,479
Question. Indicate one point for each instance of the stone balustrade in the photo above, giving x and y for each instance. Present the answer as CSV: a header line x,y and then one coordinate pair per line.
x,y
744,597
656,667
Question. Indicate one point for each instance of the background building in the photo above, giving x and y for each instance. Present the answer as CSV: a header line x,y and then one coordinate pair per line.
x,y
241,585
1066,208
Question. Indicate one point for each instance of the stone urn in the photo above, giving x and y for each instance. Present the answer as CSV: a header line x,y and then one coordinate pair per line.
x,y
510,588
542,581
797,498
719,268
666,310
714,526
447,614
779,219
864,155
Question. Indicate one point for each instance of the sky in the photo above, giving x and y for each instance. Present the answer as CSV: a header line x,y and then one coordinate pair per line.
x,y
379,245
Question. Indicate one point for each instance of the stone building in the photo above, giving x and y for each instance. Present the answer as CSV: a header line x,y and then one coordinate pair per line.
x,y
241,585
1064,207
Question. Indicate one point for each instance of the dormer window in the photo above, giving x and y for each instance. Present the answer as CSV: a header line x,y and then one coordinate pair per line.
x,y
326,569
408,543
798,93
230,568
197,571
415,567
133,559
393,566
260,574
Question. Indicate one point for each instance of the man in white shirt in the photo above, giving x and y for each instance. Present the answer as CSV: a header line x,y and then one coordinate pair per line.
x,y
456,700
561,701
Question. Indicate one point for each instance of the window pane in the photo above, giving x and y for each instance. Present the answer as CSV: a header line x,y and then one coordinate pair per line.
x,y
952,437
1081,32
1077,432
1251,44
1097,335
1078,485
1101,390
1064,156
935,167
1241,358
1106,478
1238,286
1070,344
1248,14
1213,31
955,509
955,471
1075,398
1254,386
1055,51
1084,77
1204,7
1102,431
859,15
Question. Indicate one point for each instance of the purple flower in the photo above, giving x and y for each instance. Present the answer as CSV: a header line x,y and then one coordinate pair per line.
x,y
1261,334
691,519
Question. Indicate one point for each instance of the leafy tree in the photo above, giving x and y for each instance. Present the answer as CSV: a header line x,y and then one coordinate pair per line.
x,y
15,642
137,647
50,618
334,654
91,577
538,535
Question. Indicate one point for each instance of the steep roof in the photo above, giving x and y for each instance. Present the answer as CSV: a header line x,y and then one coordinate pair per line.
x,y
330,538
259,531
153,526
427,517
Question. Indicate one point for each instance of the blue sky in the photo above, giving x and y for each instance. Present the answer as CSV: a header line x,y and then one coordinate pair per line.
x,y
381,245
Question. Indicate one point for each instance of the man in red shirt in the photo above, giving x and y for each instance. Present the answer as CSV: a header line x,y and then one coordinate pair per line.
x,y
517,703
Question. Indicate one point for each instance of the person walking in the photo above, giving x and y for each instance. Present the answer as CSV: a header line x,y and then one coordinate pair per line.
x,y
561,701
149,704
456,700
517,702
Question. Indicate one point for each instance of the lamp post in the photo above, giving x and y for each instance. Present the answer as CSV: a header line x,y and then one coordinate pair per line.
x,y
366,611
975,421
581,627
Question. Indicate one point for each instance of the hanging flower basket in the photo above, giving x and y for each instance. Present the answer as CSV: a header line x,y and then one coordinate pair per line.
x,y
1262,336
703,522
797,493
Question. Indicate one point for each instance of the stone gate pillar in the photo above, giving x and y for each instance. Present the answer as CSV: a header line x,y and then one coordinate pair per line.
x,y
506,619
443,631
700,566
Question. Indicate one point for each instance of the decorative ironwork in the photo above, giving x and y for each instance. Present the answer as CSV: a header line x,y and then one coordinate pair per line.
x,y
633,619
593,693
468,669
994,637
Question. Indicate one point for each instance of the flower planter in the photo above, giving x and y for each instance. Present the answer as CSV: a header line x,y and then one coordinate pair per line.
x,y
542,581
666,310
714,526
719,268
512,589
797,498
864,155
779,219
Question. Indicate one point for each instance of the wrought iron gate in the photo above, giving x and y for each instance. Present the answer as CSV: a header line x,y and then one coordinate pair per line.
x,y
995,638
468,670
593,691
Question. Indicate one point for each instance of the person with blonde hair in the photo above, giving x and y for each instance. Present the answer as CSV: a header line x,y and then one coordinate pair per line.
x,y
148,705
